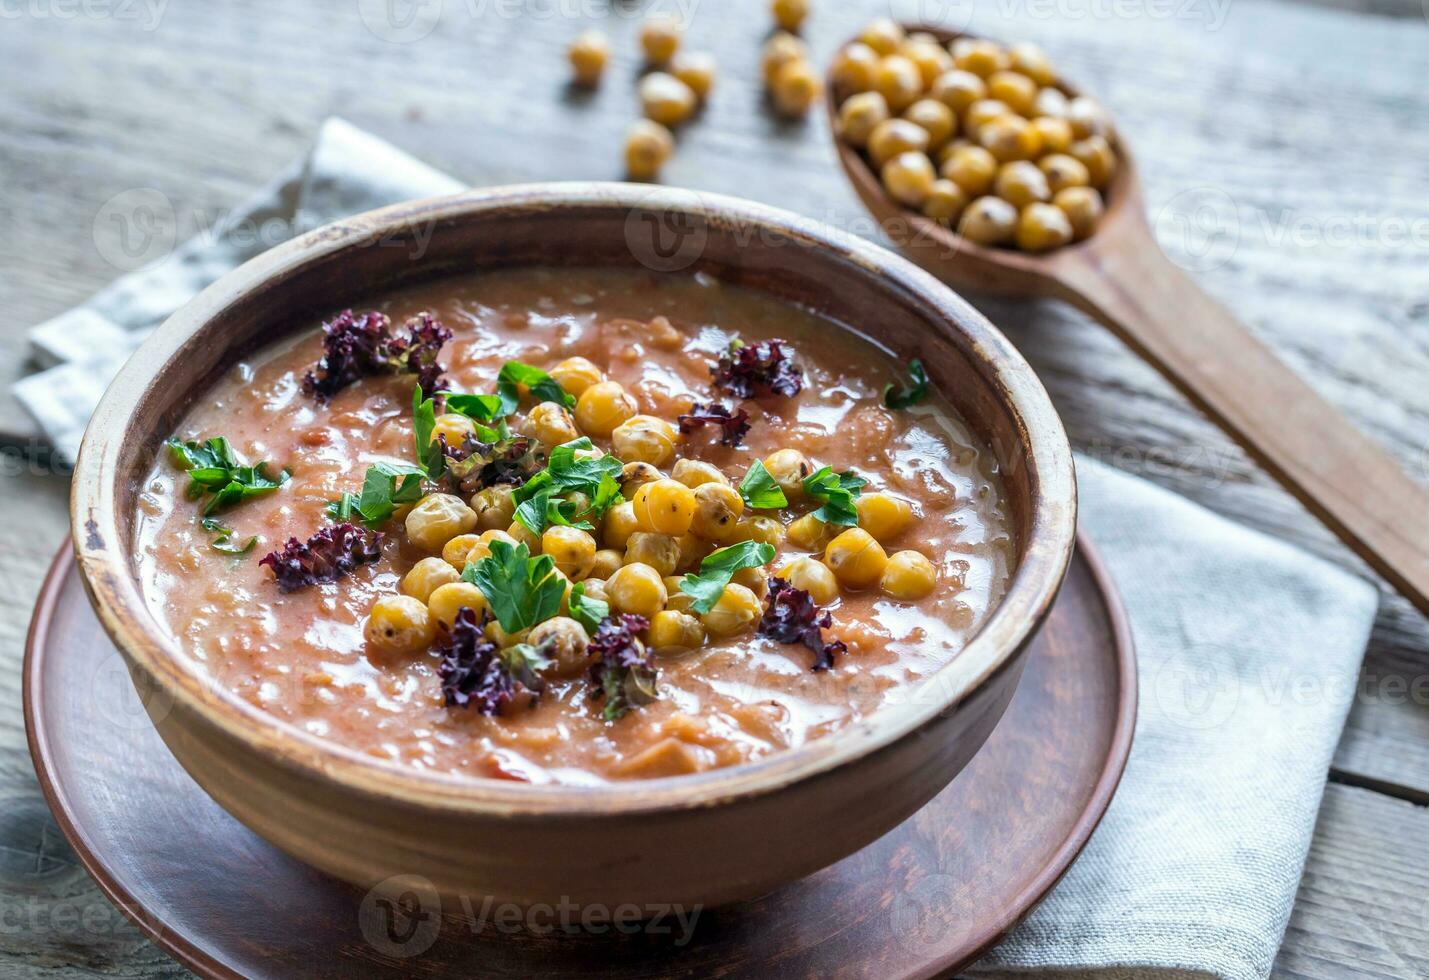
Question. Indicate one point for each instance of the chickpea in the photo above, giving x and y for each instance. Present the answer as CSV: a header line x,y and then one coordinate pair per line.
x,y
647,146
1015,89
521,534
882,35
814,577
909,178
494,507
898,80
856,558
935,117
1010,138
860,115
1088,118
1055,134
718,508
426,576
1042,227
595,587
883,515
678,600
894,136
605,563
660,551
399,624
1063,171
498,635
645,439
619,525
765,530
909,575
930,57
454,426
672,631
602,407
988,221
462,549
665,506
551,424
789,14
589,53
788,467
692,551
1083,208
1020,183
1033,62
659,38
1096,155
636,474
972,168
637,589
565,641
945,202
958,90
694,472
666,99
436,519
796,88
780,50
810,533
982,112
853,68
979,56
1052,103
737,610
756,580
447,600
576,374
572,549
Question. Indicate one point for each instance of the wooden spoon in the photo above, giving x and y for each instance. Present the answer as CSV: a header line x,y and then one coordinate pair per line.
x,y
1121,277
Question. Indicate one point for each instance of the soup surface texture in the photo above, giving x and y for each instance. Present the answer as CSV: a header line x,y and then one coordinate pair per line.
x,y
303,657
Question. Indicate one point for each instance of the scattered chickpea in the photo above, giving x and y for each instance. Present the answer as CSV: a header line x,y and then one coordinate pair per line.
x,y
897,79
659,38
660,551
572,549
859,115
1055,134
666,100
988,221
697,70
644,439
1064,171
678,600
909,178
1088,118
1033,62
694,472
399,624
693,549
979,56
931,58
605,563
647,146
1052,103
521,534
602,407
462,549
814,577
665,506
765,530
810,533
756,580
883,36
788,467
1015,89
982,112
635,475
958,89
619,525
718,508
856,558
972,168
789,14
1083,208
454,427
426,576
736,611
1010,138
1042,227
780,50
936,118
853,68
494,507
436,519
637,589
589,53
1020,183
883,515
945,202
448,600
566,642
797,87
672,631
576,374
551,424
1095,153
908,575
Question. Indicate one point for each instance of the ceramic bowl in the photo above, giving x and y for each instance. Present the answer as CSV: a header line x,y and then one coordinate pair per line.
x,y
708,838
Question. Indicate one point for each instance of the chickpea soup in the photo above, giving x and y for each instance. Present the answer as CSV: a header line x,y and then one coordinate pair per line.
x,y
573,526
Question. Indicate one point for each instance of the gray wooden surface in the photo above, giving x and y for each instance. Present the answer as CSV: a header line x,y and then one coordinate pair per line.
x,y
1302,128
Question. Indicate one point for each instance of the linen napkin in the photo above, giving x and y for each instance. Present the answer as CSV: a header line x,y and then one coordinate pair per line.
x,y
1195,867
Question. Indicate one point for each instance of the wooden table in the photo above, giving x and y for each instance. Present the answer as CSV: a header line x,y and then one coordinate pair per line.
x,y
1303,124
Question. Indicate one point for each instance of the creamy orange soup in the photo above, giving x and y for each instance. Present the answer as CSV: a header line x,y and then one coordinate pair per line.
x,y
722,696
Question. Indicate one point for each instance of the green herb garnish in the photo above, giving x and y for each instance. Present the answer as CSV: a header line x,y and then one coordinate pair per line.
x,y
522,590
838,491
215,471
223,538
424,420
759,489
481,408
909,394
718,568
565,472
542,386
585,610
385,486
541,511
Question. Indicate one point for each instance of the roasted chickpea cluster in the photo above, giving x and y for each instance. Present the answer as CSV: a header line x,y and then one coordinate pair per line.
x,y
976,136
675,511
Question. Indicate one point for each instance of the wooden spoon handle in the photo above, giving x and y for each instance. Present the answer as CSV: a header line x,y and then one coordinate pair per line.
x,y
1344,478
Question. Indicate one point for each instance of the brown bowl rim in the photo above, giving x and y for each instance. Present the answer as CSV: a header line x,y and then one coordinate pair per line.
x,y
117,597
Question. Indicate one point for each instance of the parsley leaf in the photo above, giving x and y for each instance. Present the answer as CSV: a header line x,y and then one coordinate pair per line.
x,y
215,470
223,538
908,394
586,611
541,385
522,590
481,408
385,486
565,472
838,491
718,568
759,489
543,510
424,421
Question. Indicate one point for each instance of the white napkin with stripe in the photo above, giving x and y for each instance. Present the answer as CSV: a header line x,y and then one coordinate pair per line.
x,y
1195,868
